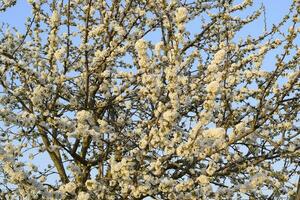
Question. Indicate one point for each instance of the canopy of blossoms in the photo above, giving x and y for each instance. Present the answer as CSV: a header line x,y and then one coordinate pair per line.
x,y
149,99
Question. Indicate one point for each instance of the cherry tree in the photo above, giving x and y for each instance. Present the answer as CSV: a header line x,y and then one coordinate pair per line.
x,y
149,99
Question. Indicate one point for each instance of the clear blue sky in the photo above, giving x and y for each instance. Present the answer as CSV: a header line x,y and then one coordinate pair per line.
x,y
275,9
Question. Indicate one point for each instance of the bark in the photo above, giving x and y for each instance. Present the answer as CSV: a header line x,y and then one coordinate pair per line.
x,y
55,157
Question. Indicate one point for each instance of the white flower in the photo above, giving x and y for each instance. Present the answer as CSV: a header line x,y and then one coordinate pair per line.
x,y
91,184
181,14
158,48
170,115
213,87
210,170
83,196
84,116
104,126
203,180
18,176
277,41
219,56
292,147
128,104
240,127
59,54
27,119
257,180
244,188
141,46
70,187
143,142
99,55
120,30
214,133
231,80
39,94
55,18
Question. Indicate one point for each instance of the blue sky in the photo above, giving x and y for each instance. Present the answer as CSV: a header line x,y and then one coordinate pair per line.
x,y
275,10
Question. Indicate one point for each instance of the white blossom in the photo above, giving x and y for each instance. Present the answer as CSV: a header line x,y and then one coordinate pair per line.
x,y
214,133
55,18
70,187
91,185
83,196
213,87
202,179
181,14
